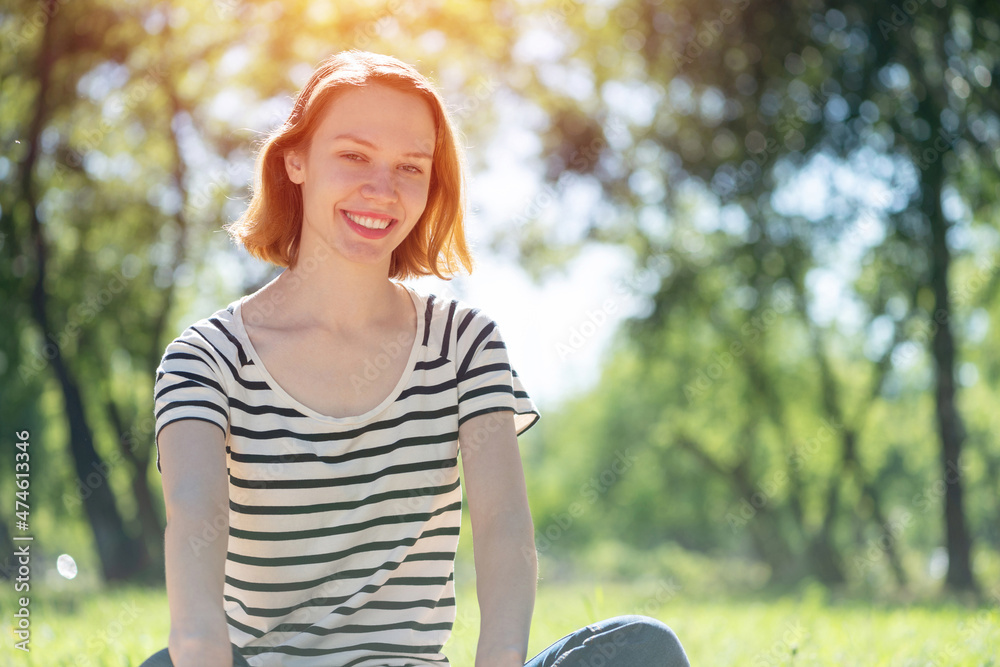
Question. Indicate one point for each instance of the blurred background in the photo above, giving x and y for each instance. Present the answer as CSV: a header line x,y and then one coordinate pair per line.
x,y
744,254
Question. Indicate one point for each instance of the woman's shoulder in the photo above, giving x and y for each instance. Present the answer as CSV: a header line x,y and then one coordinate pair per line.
x,y
223,319
447,304
454,325
219,332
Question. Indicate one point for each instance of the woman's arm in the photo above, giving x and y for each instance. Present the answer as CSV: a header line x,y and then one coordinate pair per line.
x,y
502,537
196,494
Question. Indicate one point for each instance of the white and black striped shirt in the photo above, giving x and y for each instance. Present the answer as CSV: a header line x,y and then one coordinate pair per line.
x,y
343,531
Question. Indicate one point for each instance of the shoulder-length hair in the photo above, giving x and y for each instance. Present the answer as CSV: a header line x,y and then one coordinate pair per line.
x,y
271,227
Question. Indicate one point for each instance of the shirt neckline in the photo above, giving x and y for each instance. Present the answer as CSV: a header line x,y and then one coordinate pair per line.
x,y
404,379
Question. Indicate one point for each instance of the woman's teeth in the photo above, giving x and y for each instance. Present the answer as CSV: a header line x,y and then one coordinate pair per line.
x,y
370,223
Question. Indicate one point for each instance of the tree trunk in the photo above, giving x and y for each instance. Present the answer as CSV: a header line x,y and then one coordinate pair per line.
x,y
8,566
138,456
120,554
824,558
950,427
889,531
765,533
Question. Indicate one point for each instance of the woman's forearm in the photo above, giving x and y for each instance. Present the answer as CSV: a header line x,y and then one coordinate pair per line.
x,y
196,497
195,570
506,574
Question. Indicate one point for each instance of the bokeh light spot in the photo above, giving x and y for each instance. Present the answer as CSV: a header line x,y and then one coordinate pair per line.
x,y
66,566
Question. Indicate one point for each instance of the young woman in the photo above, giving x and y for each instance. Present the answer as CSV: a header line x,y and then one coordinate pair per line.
x,y
308,434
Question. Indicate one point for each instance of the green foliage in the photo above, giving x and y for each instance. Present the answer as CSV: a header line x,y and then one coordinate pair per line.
x,y
801,179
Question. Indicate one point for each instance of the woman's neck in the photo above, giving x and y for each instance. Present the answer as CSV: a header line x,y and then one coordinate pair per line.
x,y
338,295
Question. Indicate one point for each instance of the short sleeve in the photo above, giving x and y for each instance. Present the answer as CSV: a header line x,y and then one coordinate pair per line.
x,y
486,380
189,385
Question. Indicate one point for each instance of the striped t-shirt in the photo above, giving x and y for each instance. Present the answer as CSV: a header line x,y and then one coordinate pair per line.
x,y
343,531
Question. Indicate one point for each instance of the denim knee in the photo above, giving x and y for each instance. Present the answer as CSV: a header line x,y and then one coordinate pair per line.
x,y
659,634
642,638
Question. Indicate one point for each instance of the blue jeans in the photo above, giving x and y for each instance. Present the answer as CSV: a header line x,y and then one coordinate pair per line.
x,y
623,641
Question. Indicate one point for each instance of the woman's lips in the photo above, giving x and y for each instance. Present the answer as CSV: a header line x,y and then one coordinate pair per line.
x,y
358,221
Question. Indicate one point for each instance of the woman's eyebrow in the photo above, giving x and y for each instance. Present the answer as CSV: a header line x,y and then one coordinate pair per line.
x,y
364,142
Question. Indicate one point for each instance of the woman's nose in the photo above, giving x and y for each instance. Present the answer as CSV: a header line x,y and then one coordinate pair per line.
x,y
380,185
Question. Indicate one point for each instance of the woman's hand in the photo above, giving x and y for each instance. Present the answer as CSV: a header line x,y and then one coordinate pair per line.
x,y
202,651
508,658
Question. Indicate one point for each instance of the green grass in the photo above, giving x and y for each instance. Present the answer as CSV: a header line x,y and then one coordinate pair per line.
x,y
121,627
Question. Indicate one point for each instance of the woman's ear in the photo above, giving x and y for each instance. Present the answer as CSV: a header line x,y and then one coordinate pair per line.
x,y
294,167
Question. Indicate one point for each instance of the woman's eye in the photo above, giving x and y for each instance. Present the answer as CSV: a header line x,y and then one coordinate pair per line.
x,y
353,157
412,169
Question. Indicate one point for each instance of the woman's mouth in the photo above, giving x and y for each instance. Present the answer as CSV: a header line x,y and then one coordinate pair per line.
x,y
369,225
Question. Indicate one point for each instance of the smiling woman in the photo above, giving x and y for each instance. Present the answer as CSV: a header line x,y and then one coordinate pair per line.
x,y
270,227
315,425
365,166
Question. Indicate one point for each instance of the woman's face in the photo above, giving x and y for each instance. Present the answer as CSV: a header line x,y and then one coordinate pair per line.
x,y
366,173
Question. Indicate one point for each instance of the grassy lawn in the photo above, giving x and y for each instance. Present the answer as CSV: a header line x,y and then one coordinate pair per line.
x,y
120,628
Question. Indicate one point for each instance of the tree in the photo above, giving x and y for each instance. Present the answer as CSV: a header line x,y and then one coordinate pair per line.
x,y
734,103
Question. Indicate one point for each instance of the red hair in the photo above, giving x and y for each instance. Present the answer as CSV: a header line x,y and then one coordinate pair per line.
x,y
271,226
